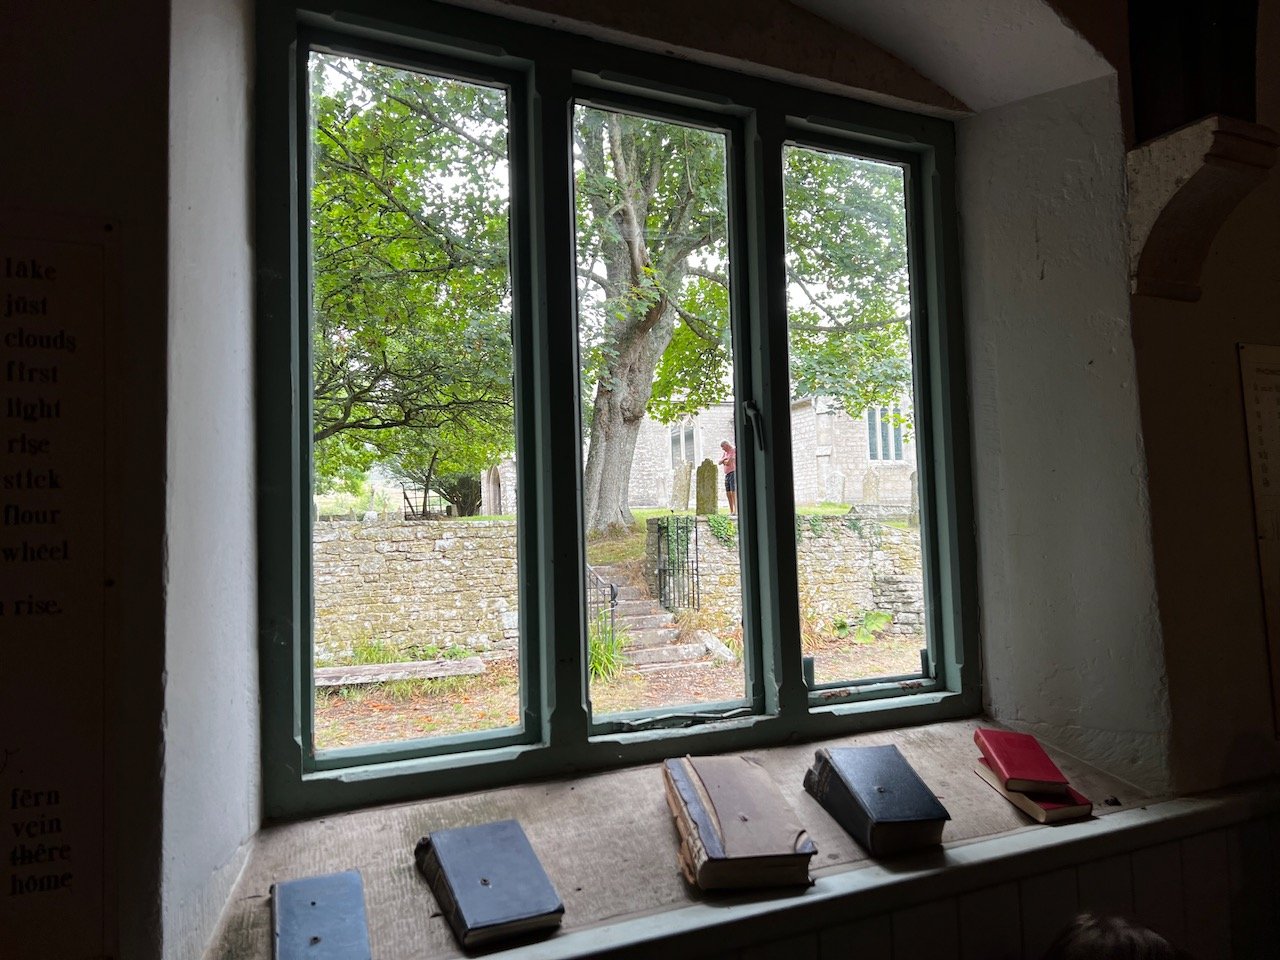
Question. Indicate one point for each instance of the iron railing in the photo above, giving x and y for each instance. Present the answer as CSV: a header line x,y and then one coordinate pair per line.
x,y
419,504
602,604
678,563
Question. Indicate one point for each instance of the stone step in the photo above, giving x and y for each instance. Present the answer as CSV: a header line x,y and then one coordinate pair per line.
x,y
645,621
386,672
653,637
643,607
669,653
673,665
628,592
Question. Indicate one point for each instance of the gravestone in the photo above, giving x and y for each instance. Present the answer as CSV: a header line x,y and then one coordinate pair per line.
x,y
707,494
680,486
835,487
914,518
871,487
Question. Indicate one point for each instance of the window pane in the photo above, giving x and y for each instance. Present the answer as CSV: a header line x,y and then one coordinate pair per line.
x,y
655,348
415,611
857,522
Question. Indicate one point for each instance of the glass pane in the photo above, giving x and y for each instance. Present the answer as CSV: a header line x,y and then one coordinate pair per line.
x,y
663,575
414,566
857,517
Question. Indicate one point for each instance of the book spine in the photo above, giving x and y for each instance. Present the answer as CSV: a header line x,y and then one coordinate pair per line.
x,y
430,868
835,797
993,758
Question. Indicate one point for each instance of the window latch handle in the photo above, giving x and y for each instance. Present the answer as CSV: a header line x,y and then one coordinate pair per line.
x,y
756,421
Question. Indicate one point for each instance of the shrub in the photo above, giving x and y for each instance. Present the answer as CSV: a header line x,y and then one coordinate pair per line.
x,y
604,649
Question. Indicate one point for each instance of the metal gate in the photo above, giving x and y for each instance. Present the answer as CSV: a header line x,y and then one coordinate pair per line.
x,y
678,563
602,605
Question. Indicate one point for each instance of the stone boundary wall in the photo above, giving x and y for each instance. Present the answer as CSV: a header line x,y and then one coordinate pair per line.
x,y
447,583
848,567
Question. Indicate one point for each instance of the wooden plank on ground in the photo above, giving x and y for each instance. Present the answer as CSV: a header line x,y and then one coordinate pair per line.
x,y
385,672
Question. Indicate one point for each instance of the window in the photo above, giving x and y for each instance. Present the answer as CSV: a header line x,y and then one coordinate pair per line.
x,y
489,248
682,449
884,434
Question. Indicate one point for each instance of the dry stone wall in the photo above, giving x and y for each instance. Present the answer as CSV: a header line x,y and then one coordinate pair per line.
x,y
442,583
848,567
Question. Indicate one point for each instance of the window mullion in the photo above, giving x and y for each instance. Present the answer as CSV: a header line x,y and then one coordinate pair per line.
x,y
555,415
778,628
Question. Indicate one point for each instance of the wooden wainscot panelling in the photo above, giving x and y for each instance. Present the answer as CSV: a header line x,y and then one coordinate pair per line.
x,y
1157,890
1206,897
1253,854
1048,904
929,930
867,939
792,948
1106,886
991,924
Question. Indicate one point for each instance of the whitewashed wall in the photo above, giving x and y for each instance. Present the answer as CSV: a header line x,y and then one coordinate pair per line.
x,y
1070,629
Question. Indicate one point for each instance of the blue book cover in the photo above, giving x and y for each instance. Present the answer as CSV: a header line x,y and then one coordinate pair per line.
x,y
488,882
877,797
320,918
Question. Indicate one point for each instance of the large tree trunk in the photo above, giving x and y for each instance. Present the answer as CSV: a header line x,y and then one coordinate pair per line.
x,y
622,393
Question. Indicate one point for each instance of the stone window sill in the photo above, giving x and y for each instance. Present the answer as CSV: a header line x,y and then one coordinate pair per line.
x,y
609,845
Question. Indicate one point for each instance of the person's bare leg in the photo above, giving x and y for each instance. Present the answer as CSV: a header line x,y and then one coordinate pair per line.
x,y
733,501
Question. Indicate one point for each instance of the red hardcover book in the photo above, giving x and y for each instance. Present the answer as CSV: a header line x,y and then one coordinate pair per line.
x,y
1045,807
1020,762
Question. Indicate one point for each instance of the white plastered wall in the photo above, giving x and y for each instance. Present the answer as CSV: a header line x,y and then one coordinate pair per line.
x,y
211,778
1070,629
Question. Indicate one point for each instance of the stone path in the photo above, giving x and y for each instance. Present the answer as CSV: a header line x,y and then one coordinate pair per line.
x,y
652,637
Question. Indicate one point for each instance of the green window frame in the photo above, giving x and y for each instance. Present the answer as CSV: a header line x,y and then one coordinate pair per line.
x,y
546,72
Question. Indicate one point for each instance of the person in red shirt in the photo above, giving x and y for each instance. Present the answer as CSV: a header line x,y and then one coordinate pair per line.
x,y
730,463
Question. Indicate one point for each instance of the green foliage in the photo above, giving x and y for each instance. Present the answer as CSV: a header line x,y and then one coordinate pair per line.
x,y
873,622
724,529
605,658
848,293
411,348
677,537
462,490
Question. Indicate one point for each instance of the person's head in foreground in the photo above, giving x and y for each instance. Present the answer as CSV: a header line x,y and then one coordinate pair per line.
x,y
1092,937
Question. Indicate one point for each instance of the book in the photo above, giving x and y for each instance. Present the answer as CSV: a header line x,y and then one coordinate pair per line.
x,y
320,918
736,829
488,882
877,797
1044,807
1020,761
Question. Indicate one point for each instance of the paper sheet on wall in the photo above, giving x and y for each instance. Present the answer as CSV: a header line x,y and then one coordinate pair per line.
x,y
1260,377
54,304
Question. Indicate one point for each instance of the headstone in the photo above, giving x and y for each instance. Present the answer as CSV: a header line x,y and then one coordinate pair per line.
x,y
680,486
707,494
871,487
914,518
835,487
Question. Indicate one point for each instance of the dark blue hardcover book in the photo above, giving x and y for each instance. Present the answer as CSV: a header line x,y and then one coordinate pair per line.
x,y
877,797
488,882
320,918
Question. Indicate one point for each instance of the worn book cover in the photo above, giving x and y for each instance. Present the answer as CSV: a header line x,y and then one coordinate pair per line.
x,y
1020,761
876,796
736,829
488,882
1043,807
320,918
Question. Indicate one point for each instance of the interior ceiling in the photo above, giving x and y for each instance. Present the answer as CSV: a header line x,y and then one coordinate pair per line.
x,y
985,52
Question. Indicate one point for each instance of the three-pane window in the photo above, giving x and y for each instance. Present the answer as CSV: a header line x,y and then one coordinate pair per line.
x,y
523,292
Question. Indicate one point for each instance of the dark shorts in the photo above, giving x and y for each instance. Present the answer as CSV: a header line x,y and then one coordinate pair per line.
x,y
731,482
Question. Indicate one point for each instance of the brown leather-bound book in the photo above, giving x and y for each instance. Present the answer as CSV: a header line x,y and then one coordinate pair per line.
x,y
736,829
